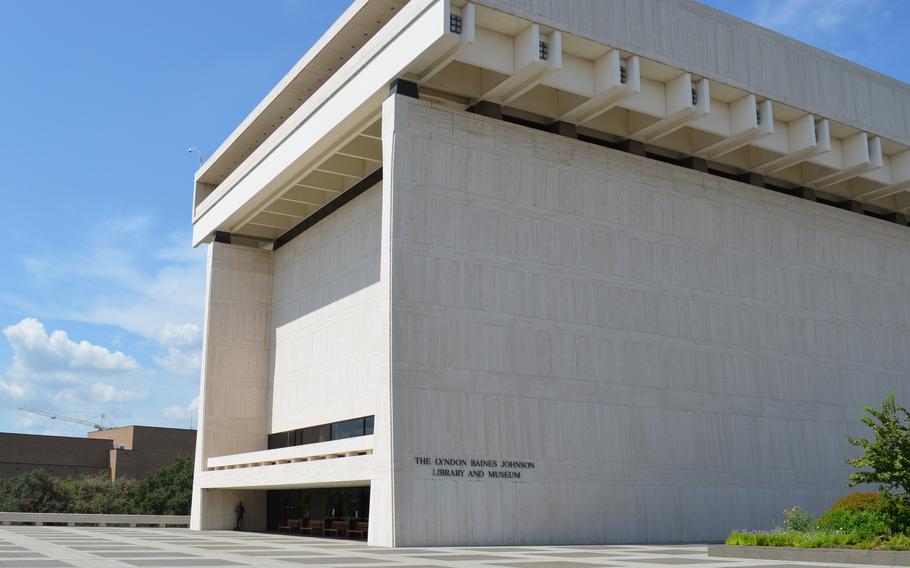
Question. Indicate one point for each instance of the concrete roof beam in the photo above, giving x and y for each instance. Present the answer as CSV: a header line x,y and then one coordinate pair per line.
x,y
748,121
613,79
535,56
806,137
462,32
898,167
686,101
859,154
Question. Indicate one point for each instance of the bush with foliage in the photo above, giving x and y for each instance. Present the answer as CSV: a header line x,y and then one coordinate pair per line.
x,y
164,492
32,492
862,513
886,459
98,494
813,539
798,519
863,519
861,501
168,491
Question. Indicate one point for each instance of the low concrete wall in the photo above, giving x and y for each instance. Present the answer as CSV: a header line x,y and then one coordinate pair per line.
x,y
825,555
72,519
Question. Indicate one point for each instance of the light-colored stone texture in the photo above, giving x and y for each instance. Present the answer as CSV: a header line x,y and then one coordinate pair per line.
x,y
322,355
679,354
330,319
331,346
234,392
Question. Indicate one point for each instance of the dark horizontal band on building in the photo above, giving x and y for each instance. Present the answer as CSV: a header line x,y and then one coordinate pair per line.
x,y
364,184
362,426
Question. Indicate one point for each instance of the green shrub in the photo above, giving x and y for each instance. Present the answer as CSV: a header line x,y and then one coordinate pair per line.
x,y
813,539
897,542
866,514
98,494
165,492
862,501
761,539
168,491
32,492
798,519
886,457
866,524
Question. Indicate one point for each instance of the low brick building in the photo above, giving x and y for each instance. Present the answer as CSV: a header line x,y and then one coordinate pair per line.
x,y
127,452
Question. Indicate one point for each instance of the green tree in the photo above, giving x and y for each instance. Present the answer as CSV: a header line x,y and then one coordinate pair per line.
x,y
886,459
167,491
98,494
33,492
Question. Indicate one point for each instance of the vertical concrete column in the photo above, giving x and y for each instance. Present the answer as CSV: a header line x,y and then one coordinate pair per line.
x,y
233,397
382,525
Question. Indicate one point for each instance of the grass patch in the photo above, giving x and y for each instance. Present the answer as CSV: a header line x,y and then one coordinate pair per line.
x,y
819,539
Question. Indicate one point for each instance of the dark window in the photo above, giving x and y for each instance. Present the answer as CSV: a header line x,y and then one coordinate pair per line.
x,y
325,432
322,433
309,435
347,429
279,440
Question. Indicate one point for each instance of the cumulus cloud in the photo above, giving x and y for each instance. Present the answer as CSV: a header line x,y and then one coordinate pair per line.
x,y
36,351
125,274
129,272
178,362
178,412
11,389
108,393
179,335
51,371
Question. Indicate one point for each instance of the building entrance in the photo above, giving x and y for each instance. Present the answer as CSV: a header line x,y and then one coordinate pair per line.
x,y
327,511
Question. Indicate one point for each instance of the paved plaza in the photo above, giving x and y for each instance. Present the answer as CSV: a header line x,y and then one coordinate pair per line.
x,y
85,547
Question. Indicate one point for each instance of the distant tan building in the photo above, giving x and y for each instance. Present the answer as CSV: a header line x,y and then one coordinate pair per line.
x,y
128,452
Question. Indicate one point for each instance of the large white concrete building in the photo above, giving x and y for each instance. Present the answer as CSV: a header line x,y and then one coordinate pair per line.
x,y
540,271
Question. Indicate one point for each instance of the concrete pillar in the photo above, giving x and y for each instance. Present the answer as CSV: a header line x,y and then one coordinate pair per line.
x,y
234,392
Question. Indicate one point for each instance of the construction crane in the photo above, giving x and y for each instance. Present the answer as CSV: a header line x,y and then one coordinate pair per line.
x,y
98,426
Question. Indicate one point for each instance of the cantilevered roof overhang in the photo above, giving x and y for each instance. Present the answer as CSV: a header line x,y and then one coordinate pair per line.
x,y
540,65
348,34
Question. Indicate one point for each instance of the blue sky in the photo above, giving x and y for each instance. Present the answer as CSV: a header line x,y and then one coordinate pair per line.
x,y
100,293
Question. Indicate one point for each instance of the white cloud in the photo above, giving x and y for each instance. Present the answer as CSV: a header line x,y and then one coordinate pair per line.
x,y
178,412
53,372
124,274
108,393
179,335
131,273
36,351
177,362
12,389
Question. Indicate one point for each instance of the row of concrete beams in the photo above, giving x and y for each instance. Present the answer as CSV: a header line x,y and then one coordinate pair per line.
x,y
532,58
341,168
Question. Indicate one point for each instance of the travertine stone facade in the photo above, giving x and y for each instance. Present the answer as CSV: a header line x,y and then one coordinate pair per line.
x,y
331,335
235,375
330,319
679,354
